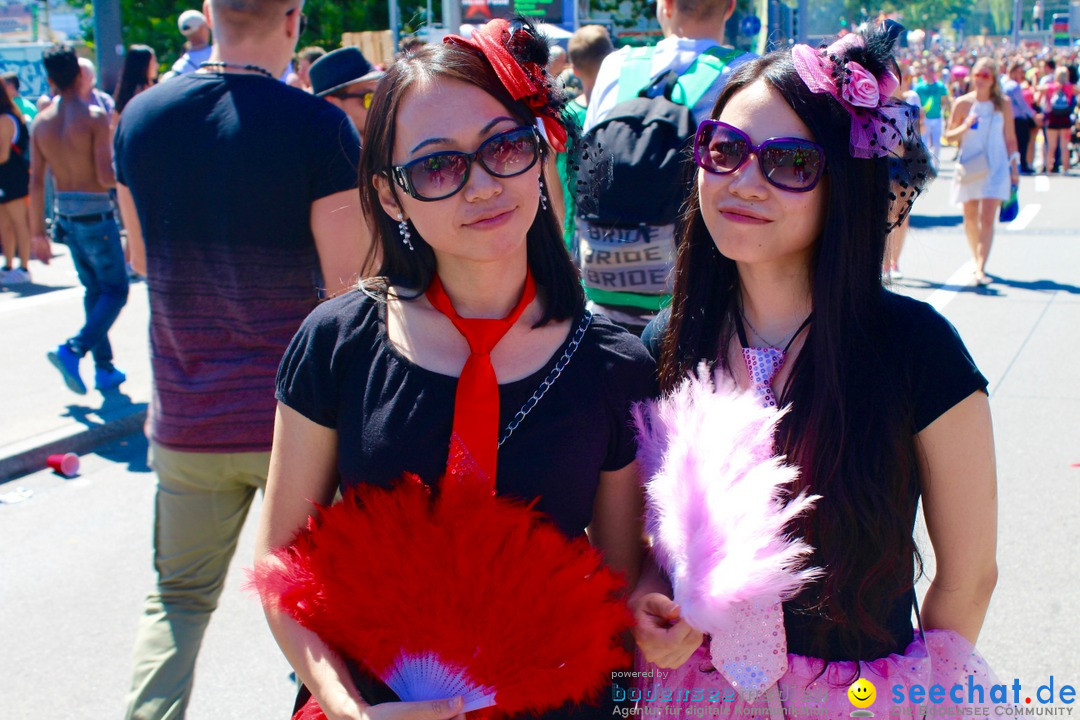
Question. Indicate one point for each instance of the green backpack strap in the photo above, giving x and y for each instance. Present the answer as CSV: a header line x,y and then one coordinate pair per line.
x,y
635,73
702,74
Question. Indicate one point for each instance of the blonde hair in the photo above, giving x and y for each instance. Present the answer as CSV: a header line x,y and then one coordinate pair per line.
x,y
588,47
995,87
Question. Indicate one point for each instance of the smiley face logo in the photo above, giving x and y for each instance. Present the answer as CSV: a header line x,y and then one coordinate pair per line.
x,y
862,693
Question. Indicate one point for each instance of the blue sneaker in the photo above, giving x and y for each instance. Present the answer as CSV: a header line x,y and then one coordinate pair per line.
x,y
67,363
108,379
18,276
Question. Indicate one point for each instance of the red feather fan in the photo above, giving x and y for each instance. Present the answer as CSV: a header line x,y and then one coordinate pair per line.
x,y
464,594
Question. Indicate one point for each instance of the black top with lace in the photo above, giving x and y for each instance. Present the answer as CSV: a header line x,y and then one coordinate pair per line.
x,y
393,416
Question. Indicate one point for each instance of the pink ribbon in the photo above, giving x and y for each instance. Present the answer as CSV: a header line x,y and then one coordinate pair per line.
x,y
879,122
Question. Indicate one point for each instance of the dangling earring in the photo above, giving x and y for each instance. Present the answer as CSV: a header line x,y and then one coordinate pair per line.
x,y
403,229
543,195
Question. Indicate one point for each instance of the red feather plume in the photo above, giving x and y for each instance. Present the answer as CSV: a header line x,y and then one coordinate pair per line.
x,y
482,583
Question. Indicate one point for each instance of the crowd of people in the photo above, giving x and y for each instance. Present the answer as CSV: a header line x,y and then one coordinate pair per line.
x,y
1027,101
1039,83
348,265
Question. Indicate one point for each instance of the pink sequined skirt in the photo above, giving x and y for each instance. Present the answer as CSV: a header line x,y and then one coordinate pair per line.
x,y
945,659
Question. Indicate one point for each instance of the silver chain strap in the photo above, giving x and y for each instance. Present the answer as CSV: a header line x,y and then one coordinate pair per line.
x,y
556,371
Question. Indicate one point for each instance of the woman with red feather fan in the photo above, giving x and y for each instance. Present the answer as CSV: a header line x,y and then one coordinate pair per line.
x,y
804,166
473,344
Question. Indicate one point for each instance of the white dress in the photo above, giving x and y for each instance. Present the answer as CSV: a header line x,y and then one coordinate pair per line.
x,y
989,136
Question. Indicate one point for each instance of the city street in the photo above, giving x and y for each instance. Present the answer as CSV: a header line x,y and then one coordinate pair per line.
x,y
76,557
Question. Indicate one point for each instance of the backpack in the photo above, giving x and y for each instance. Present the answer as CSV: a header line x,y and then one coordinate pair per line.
x,y
633,181
1060,104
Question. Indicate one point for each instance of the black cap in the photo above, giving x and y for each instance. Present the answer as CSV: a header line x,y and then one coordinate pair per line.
x,y
339,68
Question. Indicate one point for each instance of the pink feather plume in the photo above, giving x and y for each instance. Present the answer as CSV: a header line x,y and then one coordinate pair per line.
x,y
715,498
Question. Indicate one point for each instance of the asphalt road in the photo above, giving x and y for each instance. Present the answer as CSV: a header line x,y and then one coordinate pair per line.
x,y
75,566
76,558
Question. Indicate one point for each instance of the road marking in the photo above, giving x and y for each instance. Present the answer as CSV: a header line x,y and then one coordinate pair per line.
x,y
13,304
962,277
1042,183
952,287
1027,214
46,298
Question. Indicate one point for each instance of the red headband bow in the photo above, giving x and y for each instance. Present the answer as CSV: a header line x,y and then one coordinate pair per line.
x,y
526,81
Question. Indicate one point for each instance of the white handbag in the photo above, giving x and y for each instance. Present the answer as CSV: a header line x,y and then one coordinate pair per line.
x,y
974,168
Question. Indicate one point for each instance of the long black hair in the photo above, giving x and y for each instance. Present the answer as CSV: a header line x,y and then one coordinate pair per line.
x,y
133,78
849,428
7,104
549,263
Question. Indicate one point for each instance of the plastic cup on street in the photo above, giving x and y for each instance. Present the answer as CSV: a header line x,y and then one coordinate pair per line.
x,y
66,464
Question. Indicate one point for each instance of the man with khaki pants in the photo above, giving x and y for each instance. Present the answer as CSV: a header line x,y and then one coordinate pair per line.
x,y
239,196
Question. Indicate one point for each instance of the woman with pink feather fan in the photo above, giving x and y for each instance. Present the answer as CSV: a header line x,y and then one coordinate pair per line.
x,y
780,581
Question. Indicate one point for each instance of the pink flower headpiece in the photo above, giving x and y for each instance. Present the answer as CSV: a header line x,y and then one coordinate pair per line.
x,y
879,123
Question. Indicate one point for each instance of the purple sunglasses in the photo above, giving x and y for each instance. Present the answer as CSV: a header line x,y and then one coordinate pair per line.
x,y
792,164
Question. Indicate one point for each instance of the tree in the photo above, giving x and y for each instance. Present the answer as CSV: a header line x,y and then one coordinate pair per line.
x,y
153,22
855,12
1002,13
628,13
930,14
829,16
623,13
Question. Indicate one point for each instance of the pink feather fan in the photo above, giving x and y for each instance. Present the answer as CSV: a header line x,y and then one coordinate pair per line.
x,y
717,506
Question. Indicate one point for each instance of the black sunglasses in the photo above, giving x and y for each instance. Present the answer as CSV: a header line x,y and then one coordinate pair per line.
x,y
793,164
440,175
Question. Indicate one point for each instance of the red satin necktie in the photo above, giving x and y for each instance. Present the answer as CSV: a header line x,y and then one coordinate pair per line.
x,y
476,402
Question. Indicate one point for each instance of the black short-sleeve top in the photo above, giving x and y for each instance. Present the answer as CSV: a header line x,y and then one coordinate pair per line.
x,y
928,353
921,351
393,416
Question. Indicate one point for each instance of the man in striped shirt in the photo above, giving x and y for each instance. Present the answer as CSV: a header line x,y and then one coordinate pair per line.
x,y
239,196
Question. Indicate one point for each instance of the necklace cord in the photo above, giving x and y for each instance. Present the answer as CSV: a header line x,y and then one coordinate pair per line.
x,y
786,341
250,68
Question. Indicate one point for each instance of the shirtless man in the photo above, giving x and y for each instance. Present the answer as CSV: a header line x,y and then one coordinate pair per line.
x,y
88,90
73,140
